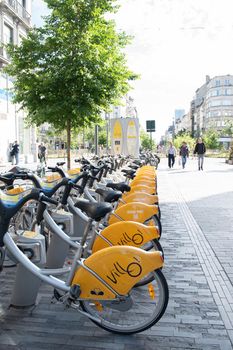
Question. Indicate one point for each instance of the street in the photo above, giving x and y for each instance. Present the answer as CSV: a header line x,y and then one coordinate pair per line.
x,y
197,219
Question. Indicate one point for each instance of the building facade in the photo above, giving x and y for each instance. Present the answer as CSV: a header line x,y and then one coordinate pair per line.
x,y
212,105
219,102
15,21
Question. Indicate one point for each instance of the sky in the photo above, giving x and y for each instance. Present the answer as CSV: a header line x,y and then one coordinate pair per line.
x,y
176,44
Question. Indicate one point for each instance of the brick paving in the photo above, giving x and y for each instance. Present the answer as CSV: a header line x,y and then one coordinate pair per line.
x,y
199,314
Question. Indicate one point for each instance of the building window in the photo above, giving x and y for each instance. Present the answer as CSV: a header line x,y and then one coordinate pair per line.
x,y
217,82
226,102
227,113
215,103
8,34
22,3
227,82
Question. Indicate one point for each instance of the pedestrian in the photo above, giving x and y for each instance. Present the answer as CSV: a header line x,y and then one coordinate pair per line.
x,y
171,154
184,153
14,153
42,153
200,150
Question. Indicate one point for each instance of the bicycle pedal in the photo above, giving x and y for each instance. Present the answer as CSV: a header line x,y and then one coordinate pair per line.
x,y
56,296
75,291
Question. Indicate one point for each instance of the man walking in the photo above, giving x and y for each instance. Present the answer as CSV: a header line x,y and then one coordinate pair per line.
x,y
42,153
171,154
200,150
15,153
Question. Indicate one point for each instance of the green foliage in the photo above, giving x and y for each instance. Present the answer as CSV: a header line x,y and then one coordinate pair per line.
x,y
228,130
184,137
67,72
210,138
146,142
230,157
103,137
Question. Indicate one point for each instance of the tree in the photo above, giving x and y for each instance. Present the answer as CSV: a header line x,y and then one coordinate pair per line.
x,y
69,71
146,142
228,131
211,139
184,137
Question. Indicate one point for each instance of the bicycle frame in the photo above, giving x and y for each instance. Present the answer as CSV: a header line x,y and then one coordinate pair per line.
x,y
106,275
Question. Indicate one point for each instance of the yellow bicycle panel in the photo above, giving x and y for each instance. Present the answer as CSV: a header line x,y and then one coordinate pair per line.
x,y
15,190
143,182
141,197
135,211
120,267
52,178
125,233
74,171
142,188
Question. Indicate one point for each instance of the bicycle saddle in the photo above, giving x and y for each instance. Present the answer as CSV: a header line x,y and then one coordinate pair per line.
x,y
128,172
96,211
109,195
119,186
134,166
8,175
60,163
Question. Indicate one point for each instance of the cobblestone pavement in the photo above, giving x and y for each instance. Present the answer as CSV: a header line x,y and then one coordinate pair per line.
x,y
197,227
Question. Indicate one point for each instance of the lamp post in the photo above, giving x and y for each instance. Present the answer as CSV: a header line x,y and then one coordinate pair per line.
x,y
107,129
96,139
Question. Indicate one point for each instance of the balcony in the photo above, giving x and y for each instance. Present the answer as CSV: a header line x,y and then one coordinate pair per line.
x,y
17,9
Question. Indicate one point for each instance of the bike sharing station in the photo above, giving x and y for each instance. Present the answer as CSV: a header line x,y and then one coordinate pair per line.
x,y
105,267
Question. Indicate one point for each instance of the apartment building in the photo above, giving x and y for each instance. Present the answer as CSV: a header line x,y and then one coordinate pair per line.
x,y
212,105
15,21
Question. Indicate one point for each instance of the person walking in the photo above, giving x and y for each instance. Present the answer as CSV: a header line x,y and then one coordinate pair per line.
x,y
184,153
42,153
14,153
171,153
200,150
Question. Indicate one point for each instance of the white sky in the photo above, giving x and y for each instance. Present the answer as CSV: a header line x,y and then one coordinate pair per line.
x,y
176,44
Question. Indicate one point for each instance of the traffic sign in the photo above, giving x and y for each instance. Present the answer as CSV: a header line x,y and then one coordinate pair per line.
x,y
150,125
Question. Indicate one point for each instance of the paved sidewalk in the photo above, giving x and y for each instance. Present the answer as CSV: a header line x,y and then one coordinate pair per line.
x,y
199,313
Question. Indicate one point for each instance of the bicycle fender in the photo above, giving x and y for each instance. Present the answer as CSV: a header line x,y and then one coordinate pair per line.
x,y
125,233
120,267
135,211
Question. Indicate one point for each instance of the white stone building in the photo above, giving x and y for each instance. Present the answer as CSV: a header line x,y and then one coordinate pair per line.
x,y
15,21
212,105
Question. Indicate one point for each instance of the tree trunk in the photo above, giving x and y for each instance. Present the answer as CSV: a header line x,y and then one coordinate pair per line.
x,y
68,130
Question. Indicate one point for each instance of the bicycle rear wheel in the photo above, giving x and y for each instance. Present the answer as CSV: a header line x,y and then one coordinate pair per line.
x,y
148,304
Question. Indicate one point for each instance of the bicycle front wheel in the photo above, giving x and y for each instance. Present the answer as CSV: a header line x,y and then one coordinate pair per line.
x,y
154,220
147,305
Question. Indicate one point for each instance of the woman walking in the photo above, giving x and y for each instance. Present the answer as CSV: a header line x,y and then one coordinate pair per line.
x,y
184,153
171,153
200,150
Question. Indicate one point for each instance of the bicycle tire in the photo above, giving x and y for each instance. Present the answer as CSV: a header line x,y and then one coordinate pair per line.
x,y
143,314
